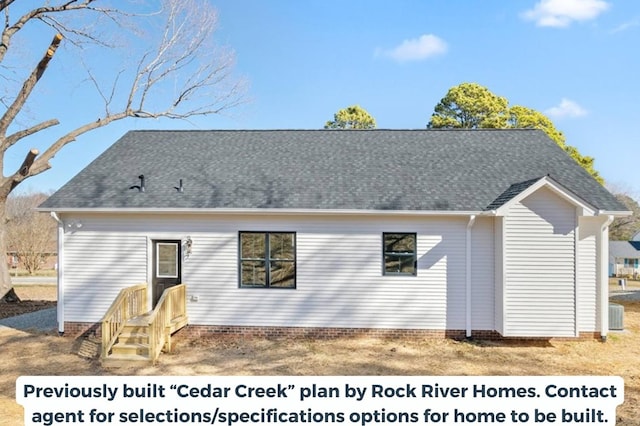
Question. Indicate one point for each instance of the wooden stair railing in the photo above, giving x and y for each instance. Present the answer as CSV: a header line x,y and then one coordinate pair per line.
x,y
169,315
131,302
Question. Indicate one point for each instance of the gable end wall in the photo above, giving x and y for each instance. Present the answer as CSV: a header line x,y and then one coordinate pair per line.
x,y
539,288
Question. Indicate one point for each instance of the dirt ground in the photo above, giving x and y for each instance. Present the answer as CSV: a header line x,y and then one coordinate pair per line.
x,y
41,354
33,298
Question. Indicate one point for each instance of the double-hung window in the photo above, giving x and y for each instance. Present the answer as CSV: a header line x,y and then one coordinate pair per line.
x,y
399,253
267,260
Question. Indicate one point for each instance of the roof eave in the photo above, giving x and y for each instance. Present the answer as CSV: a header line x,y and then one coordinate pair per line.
x,y
351,212
623,213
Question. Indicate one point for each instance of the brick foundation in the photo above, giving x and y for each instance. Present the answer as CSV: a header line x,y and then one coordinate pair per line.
x,y
195,331
85,329
75,329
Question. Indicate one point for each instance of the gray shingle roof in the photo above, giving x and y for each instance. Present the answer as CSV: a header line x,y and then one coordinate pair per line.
x,y
511,193
445,170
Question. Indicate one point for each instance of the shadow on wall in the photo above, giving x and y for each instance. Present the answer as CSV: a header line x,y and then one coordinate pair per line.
x,y
448,255
561,217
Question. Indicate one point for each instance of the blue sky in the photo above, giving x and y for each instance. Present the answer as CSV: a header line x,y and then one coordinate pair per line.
x,y
575,60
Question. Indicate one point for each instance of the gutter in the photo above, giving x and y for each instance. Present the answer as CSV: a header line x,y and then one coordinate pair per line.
x,y
60,271
273,211
621,213
472,220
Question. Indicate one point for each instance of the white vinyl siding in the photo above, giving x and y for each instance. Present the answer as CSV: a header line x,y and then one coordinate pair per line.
x,y
96,266
340,281
587,275
482,275
539,288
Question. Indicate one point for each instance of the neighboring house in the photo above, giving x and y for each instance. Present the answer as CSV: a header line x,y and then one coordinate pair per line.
x,y
477,233
624,258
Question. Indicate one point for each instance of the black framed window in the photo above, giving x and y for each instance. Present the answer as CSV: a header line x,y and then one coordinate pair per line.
x,y
267,260
399,253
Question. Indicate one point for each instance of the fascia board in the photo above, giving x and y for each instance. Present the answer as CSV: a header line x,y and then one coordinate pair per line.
x,y
310,212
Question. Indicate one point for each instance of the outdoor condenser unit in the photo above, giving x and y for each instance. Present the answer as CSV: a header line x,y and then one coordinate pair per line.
x,y
616,316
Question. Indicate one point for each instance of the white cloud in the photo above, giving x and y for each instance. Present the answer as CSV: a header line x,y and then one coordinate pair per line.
x,y
625,26
566,108
416,49
560,13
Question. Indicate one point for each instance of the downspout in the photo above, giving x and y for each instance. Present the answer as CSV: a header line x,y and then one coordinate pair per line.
x,y
604,278
576,273
60,305
472,220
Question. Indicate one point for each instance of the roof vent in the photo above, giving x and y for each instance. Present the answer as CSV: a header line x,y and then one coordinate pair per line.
x,y
140,187
179,188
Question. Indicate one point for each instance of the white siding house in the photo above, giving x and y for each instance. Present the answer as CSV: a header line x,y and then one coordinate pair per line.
x,y
624,258
519,255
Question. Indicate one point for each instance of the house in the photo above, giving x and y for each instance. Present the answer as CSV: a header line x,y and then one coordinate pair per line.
x,y
624,258
476,233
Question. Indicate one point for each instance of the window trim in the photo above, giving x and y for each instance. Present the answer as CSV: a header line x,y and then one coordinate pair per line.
x,y
414,255
268,260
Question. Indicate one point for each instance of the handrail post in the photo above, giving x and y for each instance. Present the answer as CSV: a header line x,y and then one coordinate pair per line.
x,y
162,317
126,302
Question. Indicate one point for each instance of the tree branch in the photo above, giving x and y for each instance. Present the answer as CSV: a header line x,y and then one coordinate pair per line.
x,y
42,162
83,37
10,31
9,184
28,85
5,3
185,61
28,162
15,137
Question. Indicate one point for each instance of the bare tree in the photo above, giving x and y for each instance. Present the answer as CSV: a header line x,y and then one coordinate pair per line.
x,y
623,228
163,63
31,236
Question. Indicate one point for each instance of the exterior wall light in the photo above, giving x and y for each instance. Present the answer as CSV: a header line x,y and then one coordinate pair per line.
x,y
188,244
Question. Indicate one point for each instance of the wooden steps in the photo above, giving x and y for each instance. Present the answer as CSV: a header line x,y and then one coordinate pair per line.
x,y
140,338
132,345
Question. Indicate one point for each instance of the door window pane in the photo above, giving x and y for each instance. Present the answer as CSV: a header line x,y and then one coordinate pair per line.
x,y
167,260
